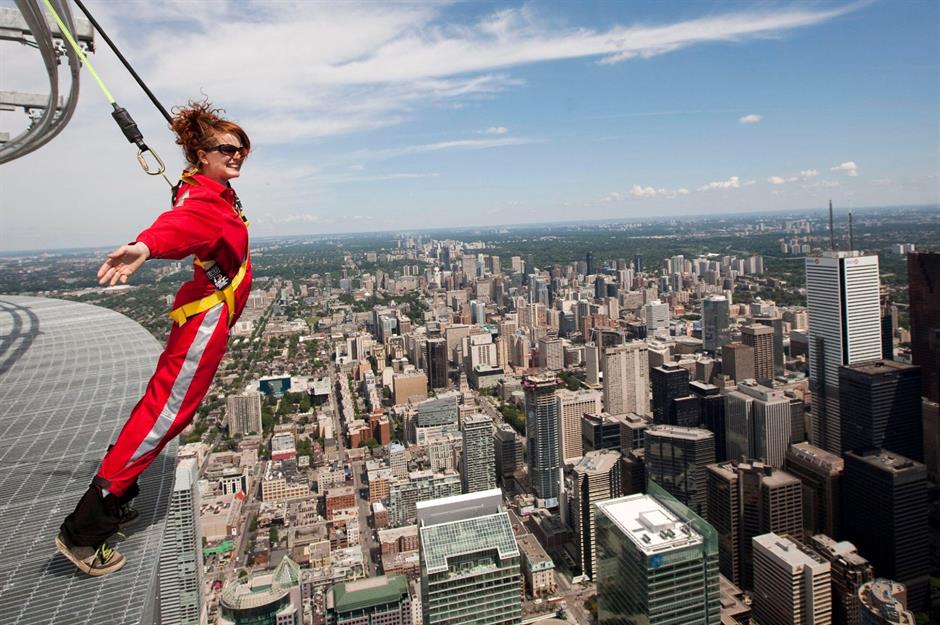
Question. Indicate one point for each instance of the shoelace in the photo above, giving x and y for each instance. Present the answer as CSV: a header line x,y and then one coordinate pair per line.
x,y
104,552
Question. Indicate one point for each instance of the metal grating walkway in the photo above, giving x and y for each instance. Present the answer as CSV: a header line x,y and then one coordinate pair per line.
x,y
69,375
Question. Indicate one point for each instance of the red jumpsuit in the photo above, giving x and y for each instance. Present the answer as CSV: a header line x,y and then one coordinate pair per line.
x,y
205,222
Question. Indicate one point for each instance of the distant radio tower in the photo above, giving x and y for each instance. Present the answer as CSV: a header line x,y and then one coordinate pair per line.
x,y
832,236
851,234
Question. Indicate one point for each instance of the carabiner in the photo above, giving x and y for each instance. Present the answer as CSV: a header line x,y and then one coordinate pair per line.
x,y
146,167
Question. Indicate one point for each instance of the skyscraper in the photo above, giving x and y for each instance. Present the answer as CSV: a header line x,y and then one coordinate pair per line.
x,y
881,407
791,583
656,564
478,462
596,478
243,413
924,294
589,261
849,571
541,412
761,338
842,296
571,406
656,314
821,475
436,359
737,360
626,378
551,353
676,459
470,561
712,415
669,382
884,511
509,452
746,500
181,551
757,422
715,322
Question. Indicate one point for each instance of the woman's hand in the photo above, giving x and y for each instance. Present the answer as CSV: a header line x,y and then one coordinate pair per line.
x,y
123,262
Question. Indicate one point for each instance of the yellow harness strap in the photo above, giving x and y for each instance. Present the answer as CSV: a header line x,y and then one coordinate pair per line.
x,y
227,295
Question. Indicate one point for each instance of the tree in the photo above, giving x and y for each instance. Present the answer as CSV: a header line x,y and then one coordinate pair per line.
x,y
272,536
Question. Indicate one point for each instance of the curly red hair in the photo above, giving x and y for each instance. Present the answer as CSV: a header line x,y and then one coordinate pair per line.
x,y
197,126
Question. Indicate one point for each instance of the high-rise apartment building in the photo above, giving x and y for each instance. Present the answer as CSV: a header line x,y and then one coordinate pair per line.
x,y
843,301
884,511
715,322
551,353
849,571
541,411
596,478
572,405
757,423
737,360
746,500
509,451
761,338
243,413
436,361
669,382
404,495
656,564
478,462
791,583
626,378
381,600
656,314
470,561
676,459
924,294
180,575
821,475
881,407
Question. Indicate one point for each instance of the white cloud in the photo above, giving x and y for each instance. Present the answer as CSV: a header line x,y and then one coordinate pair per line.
x,y
809,173
496,130
441,146
731,183
849,167
776,180
753,118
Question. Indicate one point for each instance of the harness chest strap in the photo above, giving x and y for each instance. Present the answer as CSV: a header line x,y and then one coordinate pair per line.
x,y
227,295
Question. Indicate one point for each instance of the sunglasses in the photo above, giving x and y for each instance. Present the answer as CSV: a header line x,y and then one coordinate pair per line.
x,y
228,149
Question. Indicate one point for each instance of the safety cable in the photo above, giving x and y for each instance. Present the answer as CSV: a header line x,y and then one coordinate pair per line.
x,y
123,60
124,120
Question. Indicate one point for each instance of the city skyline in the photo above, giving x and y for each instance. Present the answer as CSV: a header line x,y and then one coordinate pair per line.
x,y
453,115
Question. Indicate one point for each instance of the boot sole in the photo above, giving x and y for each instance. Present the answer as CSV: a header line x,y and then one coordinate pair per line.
x,y
84,567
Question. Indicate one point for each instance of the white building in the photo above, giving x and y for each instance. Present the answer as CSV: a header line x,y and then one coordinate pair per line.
x,y
791,584
657,316
572,405
181,552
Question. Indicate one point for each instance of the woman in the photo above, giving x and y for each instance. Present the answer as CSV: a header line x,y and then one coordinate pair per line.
x,y
207,222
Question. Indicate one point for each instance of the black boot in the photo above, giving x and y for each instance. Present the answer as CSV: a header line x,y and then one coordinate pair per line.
x,y
83,535
127,515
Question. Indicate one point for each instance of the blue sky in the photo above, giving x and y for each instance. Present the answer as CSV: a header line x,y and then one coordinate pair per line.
x,y
376,116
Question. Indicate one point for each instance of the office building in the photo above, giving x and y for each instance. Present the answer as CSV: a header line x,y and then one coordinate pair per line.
x,y
404,495
538,568
924,294
436,362
746,500
821,475
478,462
711,412
572,405
761,338
243,414
849,571
737,361
181,551
715,322
656,314
541,410
883,602
509,451
669,382
599,431
757,423
596,478
844,309
884,511
268,598
470,561
775,323
676,459
382,600
632,431
881,407
656,564
791,583
551,353
626,378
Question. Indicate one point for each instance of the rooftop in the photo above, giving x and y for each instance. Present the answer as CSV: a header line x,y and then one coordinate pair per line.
x,y
601,461
819,457
789,553
368,592
70,374
677,431
652,527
